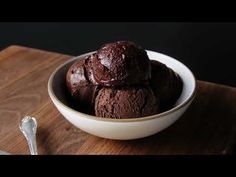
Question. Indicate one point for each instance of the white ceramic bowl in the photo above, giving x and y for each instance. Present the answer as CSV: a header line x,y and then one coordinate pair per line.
x,y
123,129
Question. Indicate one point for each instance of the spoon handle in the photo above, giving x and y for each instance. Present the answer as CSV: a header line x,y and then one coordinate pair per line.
x,y
4,153
31,139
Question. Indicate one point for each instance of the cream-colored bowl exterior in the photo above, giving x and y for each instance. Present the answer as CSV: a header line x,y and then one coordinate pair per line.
x,y
126,129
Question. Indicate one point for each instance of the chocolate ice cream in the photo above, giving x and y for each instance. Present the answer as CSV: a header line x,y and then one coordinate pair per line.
x,y
166,84
120,81
126,102
121,63
81,84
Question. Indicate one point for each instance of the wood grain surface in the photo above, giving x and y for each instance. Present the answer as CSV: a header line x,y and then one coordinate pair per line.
x,y
208,126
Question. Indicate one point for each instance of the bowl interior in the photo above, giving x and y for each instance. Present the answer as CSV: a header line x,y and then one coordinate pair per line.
x,y
57,81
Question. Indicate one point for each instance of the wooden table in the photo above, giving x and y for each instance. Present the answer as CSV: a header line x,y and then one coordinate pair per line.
x,y
208,127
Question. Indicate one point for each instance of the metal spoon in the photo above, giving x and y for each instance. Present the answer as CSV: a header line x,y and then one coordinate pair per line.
x,y
4,153
28,127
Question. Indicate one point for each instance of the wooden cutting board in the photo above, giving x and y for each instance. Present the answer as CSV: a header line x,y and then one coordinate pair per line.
x,y
208,127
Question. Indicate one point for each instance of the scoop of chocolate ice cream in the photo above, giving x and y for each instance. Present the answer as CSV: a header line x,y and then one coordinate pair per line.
x,y
121,63
81,84
166,84
126,102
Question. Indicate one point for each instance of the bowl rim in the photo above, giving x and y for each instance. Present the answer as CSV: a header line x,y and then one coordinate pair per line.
x,y
155,116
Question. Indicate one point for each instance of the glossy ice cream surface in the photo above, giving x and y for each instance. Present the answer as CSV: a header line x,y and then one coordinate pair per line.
x,y
121,63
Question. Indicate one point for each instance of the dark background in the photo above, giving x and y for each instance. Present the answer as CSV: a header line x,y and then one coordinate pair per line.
x,y
208,49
